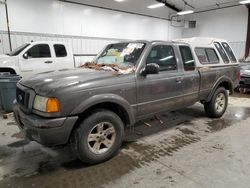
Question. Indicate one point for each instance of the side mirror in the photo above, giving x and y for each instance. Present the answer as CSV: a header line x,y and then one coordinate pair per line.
x,y
151,68
25,56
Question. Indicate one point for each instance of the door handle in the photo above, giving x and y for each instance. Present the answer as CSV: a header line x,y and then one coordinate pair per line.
x,y
179,80
48,62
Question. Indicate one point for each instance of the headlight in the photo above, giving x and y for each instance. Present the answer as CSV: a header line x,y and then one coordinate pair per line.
x,y
44,104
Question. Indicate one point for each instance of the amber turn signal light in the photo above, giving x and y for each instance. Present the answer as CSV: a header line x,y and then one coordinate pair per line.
x,y
52,105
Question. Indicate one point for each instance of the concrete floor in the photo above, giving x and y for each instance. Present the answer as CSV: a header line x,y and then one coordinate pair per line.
x,y
187,150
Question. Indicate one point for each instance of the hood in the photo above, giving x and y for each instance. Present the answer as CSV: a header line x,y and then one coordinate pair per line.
x,y
8,61
3,56
46,83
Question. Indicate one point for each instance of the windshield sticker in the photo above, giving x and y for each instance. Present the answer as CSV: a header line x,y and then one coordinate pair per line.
x,y
131,48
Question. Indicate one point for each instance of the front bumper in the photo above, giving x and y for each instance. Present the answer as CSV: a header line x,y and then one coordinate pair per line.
x,y
244,82
48,132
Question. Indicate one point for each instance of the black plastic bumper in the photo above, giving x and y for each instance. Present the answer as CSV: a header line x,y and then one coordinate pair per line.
x,y
48,132
244,85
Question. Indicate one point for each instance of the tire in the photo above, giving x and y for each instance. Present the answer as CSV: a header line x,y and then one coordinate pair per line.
x,y
98,137
218,104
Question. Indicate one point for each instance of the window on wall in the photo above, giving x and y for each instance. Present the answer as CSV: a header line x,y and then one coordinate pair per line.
x,y
164,56
60,50
187,58
222,52
229,52
39,51
207,55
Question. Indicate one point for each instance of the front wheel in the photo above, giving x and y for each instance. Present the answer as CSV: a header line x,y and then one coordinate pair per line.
x,y
98,137
218,104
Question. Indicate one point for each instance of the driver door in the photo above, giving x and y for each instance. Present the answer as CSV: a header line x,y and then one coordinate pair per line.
x,y
37,59
163,91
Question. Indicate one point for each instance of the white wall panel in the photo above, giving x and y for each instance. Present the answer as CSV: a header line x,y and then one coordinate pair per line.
x,y
35,16
229,24
87,29
3,25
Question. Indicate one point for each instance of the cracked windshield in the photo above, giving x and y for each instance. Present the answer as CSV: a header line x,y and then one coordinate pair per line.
x,y
121,57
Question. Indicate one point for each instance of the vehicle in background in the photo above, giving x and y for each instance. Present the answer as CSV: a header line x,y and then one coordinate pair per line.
x,y
244,84
41,56
89,108
245,60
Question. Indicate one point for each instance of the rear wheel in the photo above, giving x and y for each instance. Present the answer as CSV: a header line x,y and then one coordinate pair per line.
x,y
98,138
218,104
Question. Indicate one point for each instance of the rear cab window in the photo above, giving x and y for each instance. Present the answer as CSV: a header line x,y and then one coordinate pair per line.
x,y
207,55
60,50
187,58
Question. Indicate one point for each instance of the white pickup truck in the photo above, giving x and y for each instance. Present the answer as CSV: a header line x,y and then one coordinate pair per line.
x,y
40,56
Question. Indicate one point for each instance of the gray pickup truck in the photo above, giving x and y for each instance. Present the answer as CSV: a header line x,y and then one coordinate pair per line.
x,y
90,107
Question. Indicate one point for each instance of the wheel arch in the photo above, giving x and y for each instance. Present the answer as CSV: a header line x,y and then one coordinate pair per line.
x,y
225,82
111,102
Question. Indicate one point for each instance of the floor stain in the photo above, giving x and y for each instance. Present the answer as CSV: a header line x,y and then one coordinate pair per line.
x,y
19,143
20,135
12,123
234,115
186,131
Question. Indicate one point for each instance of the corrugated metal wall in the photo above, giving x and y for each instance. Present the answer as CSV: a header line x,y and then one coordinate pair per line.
x,y
79,44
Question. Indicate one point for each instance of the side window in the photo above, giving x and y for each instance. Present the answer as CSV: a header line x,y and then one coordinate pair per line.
x,y
222,52
207,55
60,50
39,51
187,58
229,52
201,54
212,56
164,56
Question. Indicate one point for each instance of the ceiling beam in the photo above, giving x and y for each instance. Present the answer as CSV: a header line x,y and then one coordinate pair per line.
x,y
173,7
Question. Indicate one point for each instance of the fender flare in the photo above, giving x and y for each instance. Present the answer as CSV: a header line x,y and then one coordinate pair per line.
x,y
102,98
217,83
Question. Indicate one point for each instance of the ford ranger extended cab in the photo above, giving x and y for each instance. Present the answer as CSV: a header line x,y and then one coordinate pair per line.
x,y
127,82
40,56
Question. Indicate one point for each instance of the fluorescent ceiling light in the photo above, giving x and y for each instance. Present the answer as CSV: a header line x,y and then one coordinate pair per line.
x,y
184,12
156,5
245,2
119,0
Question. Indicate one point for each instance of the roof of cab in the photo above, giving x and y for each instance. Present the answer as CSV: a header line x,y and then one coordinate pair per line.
x,y
199,40
149,41
46,42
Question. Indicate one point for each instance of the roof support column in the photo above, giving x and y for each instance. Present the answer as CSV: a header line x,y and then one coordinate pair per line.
x,y
248,34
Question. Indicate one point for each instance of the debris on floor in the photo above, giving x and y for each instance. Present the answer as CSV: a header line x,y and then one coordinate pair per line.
x,y
157,118
147,124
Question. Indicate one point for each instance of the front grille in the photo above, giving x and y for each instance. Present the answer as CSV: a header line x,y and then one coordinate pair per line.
x,y
25,97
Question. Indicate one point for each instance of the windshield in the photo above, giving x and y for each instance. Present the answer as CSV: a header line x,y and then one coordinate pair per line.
x,y
18,50
122,55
